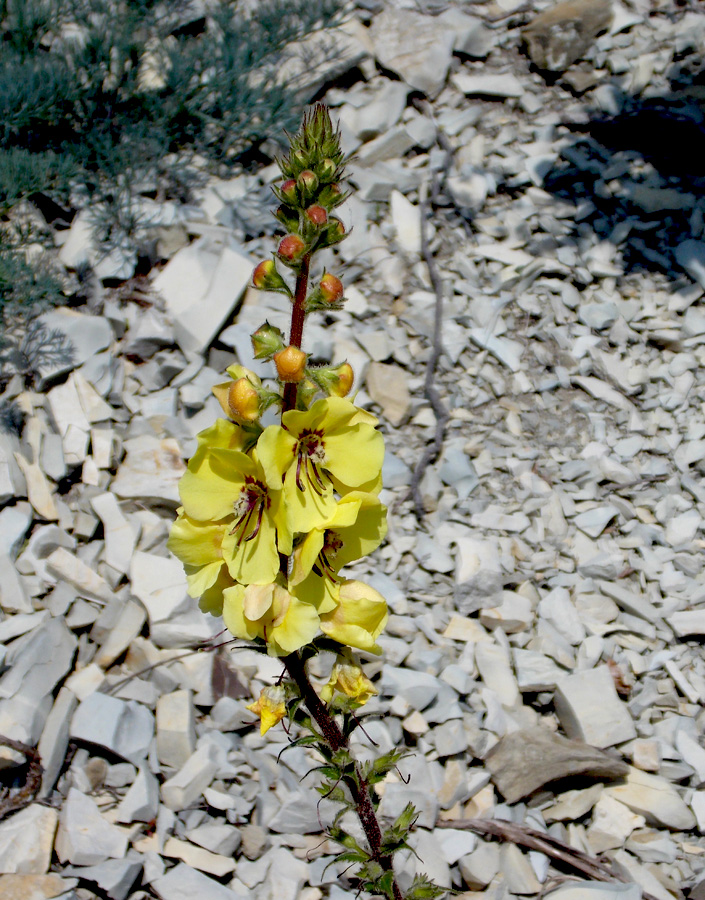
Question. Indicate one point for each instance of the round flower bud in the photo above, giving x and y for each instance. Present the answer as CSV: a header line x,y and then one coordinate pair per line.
x,y
243,401
266,278
307,182
331,288
317,215
291,247
288,191
327,169
290,363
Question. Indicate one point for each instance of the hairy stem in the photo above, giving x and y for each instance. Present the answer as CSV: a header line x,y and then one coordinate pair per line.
x,y
334,737
298,316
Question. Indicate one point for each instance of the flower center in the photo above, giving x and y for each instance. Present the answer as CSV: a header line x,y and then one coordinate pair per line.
x,y
332,543
249,507
310,458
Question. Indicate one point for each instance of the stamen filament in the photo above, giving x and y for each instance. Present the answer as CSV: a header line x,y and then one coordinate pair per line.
x,y
259,522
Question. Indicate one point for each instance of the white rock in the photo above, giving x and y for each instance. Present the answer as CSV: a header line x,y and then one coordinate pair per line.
x,y
160,583
654,798
84,837
198,857
201,285
126,728
188,784
13,592
612,823
130,621
488,85
417,47
150,471
176,728
496,671
15,522
680,530
558,609
594,521
597,890
141,802
692,752
184,883
114,877
493,518
590,710
690,254
55,739
688,622
27,839
69,568
406,218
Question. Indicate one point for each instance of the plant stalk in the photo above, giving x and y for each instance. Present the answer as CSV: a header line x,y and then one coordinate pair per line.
x,y
334,737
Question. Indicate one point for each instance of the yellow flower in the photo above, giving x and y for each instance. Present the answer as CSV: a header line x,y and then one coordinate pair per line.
x,y
333,445
228,488
239,398
270,612
356,527
358,619
270,707
198,546
348,678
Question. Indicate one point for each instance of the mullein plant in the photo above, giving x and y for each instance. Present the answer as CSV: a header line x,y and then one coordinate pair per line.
x,y
270,516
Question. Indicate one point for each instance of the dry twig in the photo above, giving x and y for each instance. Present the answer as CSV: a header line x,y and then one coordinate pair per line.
x,y
23,797
430,392
592,866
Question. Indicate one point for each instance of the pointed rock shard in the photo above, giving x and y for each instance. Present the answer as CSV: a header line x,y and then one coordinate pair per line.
x,y
524,761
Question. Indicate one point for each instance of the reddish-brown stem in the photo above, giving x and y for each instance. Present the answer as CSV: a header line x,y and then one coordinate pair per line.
x,y
334,737
298,317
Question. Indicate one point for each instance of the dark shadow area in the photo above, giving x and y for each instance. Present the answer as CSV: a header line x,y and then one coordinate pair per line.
x,y
637,176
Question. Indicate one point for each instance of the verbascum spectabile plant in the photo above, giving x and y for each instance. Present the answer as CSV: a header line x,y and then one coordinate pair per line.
x,y
270,517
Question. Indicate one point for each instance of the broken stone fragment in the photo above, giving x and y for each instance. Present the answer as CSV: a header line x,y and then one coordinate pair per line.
x,y
523,761
560,35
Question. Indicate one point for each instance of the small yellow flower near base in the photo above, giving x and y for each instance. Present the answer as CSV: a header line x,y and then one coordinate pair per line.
x,y
271,707
358,619
348,678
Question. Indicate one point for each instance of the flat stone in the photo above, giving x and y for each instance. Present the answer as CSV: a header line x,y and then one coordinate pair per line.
x,y
488,85
141,802
594,521
125,727
84,837
120,537
590,710
87,336
184,883
15,522
70,568
654,798
406,218
198,857
176,728
690,255
560,35
388,387
150,471
572,805
201,285
27,839
114,877
689,622
525,760
130,621
597,890
612,823
35,887
188,784
417,47
159,583
55,739
479,867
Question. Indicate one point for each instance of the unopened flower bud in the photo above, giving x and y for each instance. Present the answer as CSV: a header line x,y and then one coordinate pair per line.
x,y
326,170
346,376
266,278
307,182
290,363
288,191
317,215
291,248
334,232
239,399
267,341
331,288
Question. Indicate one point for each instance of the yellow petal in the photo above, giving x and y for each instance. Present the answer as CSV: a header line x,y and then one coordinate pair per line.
x,y
275,451
196,543
297,628
359,618
354,456
234,615
209,488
